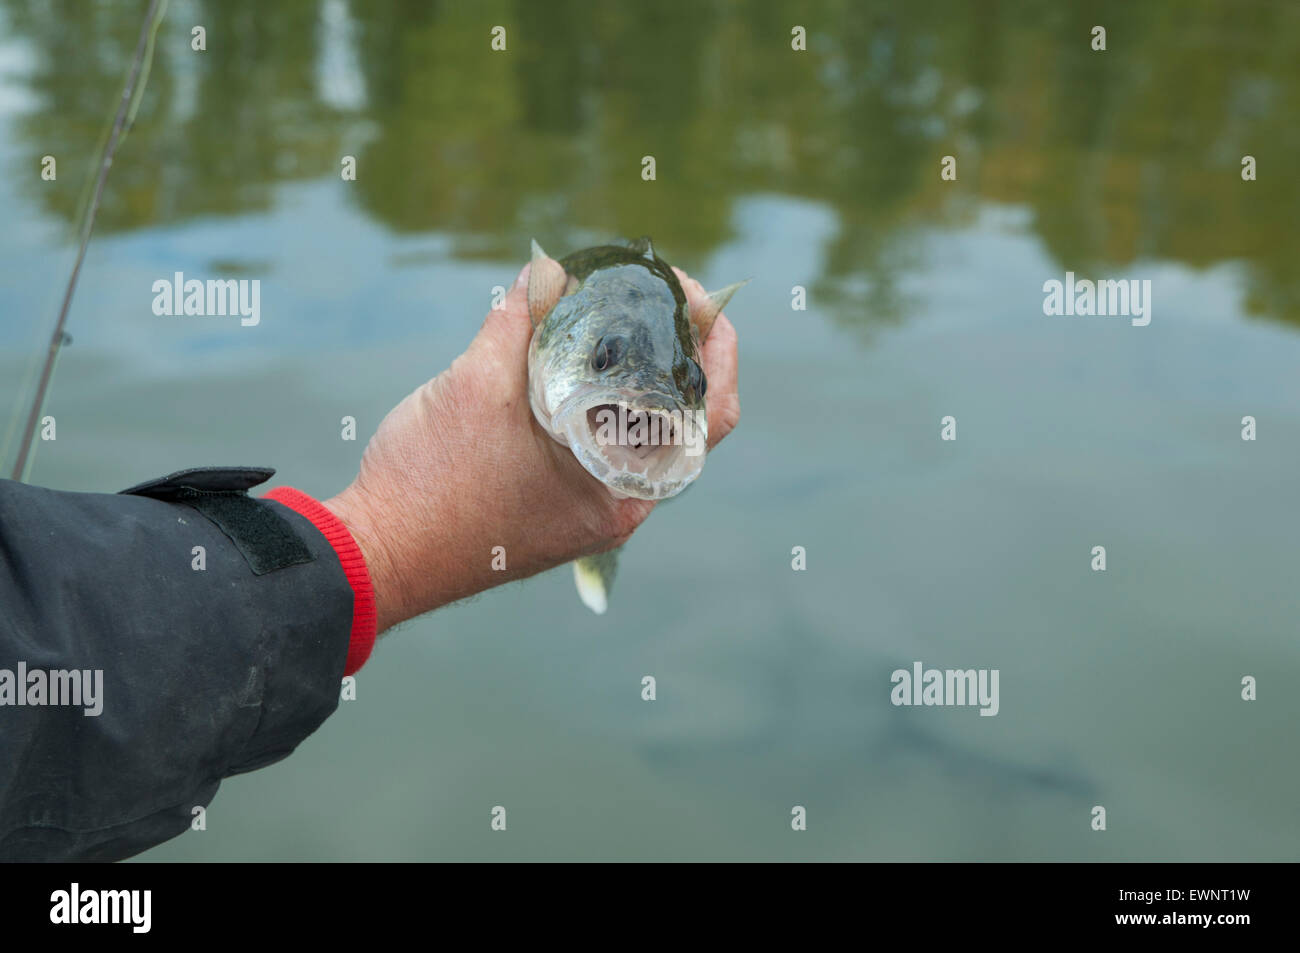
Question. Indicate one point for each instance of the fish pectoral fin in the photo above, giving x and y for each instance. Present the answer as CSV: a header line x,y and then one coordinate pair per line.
x,y
547,283
704,316
594,576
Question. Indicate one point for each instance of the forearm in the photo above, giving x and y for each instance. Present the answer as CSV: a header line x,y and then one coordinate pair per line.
x,y
200,666
426,553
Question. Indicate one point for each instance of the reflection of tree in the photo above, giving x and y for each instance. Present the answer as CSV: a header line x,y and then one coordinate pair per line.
x,y
251,119
1119,155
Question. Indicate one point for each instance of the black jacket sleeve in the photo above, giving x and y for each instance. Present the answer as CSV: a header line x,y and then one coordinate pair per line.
x,y
149,674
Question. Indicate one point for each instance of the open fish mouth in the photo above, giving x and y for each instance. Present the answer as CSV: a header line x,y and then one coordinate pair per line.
x,y
643,445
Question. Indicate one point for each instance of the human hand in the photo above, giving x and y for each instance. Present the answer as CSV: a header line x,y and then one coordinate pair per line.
x,y
461,466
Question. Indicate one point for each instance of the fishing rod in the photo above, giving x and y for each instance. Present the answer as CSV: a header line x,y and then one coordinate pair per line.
x,y
126,110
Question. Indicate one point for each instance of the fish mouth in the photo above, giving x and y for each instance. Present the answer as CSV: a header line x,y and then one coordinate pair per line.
x,y
645,445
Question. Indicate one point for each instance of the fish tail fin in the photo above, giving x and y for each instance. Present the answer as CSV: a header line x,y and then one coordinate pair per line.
x,y
594,576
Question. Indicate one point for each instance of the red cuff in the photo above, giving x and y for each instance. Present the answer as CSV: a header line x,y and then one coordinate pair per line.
x,y
364,622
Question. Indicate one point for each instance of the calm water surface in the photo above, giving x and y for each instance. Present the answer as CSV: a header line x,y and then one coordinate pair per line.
x,y
817,169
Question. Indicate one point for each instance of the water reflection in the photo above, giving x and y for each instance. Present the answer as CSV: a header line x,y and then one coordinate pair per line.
x,y
818,168
1129,154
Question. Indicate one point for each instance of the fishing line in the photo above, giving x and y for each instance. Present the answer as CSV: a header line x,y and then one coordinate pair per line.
x,y
126,110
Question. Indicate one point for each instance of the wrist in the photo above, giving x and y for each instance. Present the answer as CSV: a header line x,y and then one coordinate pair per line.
x,y
352,510
351,559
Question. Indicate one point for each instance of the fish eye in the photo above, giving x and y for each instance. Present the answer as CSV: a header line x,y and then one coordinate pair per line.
x,y
608,352
698,381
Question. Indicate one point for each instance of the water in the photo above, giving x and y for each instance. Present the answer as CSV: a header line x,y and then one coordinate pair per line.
x,y
817,169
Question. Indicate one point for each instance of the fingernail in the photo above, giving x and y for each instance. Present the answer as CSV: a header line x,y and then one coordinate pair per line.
x,y
523,276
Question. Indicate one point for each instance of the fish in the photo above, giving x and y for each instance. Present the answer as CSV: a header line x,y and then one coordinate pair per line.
x,y
614,374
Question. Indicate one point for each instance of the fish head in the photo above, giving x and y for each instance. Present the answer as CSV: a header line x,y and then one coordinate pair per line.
x,y
615,375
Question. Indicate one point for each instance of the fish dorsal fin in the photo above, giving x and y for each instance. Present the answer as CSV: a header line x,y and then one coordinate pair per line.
x,y
642,247
547,283
704,316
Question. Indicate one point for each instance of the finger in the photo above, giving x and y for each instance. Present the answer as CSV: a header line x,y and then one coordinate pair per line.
x,y
720,358
505,334
508,322
695,293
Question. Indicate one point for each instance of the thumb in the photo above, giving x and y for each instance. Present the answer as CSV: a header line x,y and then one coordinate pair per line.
x,y
507,327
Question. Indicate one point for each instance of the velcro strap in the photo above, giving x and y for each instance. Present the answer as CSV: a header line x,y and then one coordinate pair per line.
x,y
265,539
